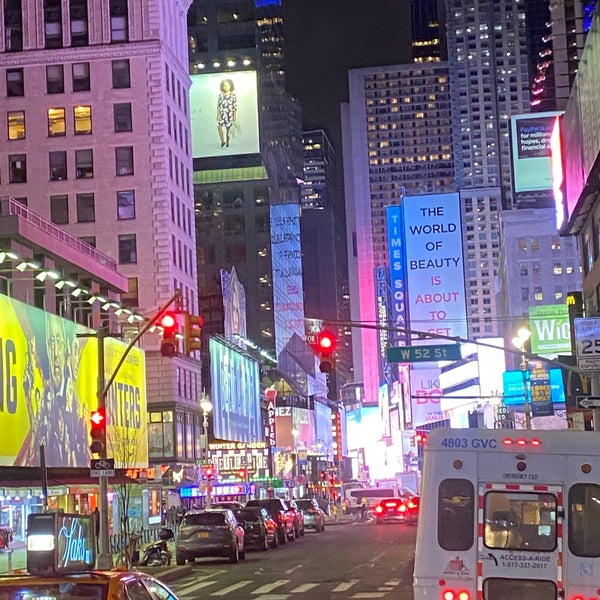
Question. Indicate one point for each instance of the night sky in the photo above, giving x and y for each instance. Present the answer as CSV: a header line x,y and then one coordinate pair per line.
x,y
326,38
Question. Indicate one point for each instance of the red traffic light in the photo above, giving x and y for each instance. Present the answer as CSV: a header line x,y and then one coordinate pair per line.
x,y
169,345
168,321
209,471
420,438
98,419
326,343
98,431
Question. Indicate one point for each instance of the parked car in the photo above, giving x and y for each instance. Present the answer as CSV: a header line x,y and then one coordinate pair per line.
x,y
91,585
314,517
231,505
281,514
259,527
210,532
394,510
298,518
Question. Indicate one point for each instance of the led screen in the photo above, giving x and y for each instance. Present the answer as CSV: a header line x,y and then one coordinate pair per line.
x,y
235,394
224,123
532,152
397,265
550,329
434,261
514,387
48,388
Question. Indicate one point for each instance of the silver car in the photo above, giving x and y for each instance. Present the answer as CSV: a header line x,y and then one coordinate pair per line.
x,y
212,532
314,517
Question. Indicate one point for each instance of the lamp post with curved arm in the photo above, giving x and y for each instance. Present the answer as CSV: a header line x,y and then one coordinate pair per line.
x,y
519,342
206,406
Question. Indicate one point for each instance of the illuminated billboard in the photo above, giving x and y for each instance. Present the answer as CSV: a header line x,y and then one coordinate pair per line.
x,y
514,390
235,394
48,389
234,304
224,114
426,394
397,265
532,158
550,329
435,266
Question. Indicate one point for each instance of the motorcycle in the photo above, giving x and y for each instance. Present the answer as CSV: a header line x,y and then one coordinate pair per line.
x,y
156,554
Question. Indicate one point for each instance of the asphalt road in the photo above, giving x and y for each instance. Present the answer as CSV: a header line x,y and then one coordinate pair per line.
x,y
351,561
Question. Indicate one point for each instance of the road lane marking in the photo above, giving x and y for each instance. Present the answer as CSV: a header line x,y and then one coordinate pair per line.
x,y
304,588
342,587
231,588
369,595
392,582
269,587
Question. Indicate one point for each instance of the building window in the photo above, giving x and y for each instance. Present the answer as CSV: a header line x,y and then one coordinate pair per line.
x,y
81,77
122,116
538,294
90,240
13,27
127,248
59,209
118,21
537,269
82,116
16,124
79,22
557,269
14,83
124,160
57,124
85,208
120,74
522,244
523,268
55,79
57,162
53,23
525,294
17,168
558,292
125,205
535,243
84,164
130,298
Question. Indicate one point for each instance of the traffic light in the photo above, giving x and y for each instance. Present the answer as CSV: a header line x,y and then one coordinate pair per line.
x,y
170,344
209,472
242,474
420,438
326,344
576,311
98,431
192,331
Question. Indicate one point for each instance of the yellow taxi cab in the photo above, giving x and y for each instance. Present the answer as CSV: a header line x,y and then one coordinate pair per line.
x,y
90,585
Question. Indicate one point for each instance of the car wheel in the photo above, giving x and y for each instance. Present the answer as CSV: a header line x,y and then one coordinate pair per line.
x,y
265,546
234,555
180,560
275,541
282,537
292,535
302,532
296,532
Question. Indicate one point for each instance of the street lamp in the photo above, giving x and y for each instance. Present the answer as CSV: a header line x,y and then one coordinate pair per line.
x,y
519,342
206,406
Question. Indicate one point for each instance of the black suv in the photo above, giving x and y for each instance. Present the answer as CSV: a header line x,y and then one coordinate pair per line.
x,y
281,514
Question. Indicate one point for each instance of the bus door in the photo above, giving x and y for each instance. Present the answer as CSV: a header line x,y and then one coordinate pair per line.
x,y
520,529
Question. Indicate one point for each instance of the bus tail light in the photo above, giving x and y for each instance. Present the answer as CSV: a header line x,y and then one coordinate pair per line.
x,y
456,595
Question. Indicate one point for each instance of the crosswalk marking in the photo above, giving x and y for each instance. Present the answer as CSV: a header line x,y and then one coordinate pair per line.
x,y
304,588
392,582
231,588
369,595
269,587
346,585
190,589
273,597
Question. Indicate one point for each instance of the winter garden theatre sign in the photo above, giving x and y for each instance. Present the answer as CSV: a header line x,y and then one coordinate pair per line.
x,y
434,264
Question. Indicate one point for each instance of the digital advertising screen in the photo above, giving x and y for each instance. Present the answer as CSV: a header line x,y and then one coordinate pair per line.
x,y
224,114
514,386
234,304
395,228
550,329
235,394
435,265
531,150
49,378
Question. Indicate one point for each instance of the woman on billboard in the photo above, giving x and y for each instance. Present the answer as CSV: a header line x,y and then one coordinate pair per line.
x,y
226,110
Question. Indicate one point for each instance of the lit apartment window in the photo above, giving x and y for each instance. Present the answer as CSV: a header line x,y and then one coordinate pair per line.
x,y
536,267
82,120
120,74
57,162
124,160
522,244
556,243
557,269
16,124
55,79
118,21
535,243
537,294
59,209
84,164
558,292
57,125
86,212
127,248
125,205
79,22
122,116
81,77
53,23
14,82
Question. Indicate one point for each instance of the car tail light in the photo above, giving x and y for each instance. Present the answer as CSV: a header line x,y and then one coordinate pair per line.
x,y
401,508
456,595
379,509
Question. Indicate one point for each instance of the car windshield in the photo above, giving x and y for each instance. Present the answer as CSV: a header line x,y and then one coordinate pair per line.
x,y
248,515
207,518
54,591
268,504
304,504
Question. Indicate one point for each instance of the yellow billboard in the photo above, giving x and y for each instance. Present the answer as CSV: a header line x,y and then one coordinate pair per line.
x,y
49,386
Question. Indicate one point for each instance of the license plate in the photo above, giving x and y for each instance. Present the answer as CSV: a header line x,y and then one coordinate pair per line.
x,y
203,534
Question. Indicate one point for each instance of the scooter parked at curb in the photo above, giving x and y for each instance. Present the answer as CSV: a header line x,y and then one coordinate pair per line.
x,y
156,554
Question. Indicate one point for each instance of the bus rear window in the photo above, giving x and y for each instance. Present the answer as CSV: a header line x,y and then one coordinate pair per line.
x,y
456,514
584,519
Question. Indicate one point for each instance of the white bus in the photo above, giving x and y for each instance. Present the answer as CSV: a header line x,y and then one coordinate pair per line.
x,y
509,514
